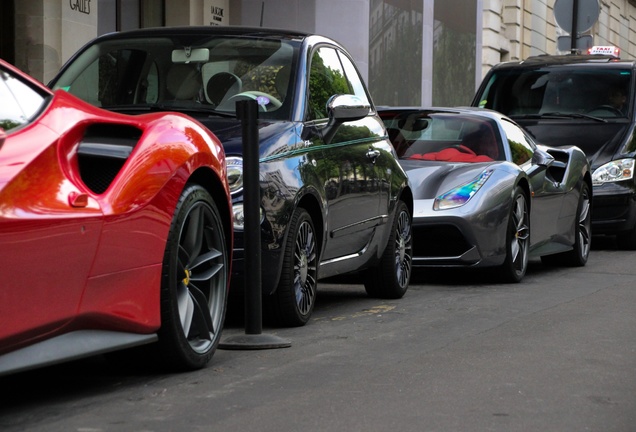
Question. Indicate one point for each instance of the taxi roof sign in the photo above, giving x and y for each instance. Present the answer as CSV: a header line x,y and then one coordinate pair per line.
x,y
605,50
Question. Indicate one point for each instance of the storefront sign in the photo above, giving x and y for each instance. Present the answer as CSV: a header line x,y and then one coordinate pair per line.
x,y
216,12
83,6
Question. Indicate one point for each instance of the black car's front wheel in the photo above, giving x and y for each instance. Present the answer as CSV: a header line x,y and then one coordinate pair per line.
x,y
517,239
294,299
390,278
194,285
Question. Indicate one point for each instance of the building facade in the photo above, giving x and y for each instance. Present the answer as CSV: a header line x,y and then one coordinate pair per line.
x,y
517,29
410,52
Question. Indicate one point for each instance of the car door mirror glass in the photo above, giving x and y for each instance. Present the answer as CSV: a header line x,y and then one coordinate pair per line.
x,y
542,158
342,108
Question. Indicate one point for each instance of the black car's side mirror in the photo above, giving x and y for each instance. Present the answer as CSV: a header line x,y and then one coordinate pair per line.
x,y
343,108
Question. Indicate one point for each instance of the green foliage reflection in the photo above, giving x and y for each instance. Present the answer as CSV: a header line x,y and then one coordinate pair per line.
x,y
324,82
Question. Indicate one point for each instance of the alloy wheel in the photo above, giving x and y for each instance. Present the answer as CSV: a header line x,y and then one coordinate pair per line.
x,y
403,249
202,272
520,238
305,268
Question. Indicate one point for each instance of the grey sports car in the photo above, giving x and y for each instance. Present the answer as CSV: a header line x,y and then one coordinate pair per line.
x,y
486,195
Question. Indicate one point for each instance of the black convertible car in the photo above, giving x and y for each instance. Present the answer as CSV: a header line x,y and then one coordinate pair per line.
x,y
334,199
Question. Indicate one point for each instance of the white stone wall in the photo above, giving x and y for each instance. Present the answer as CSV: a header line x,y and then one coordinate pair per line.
x,y
517,29
49,32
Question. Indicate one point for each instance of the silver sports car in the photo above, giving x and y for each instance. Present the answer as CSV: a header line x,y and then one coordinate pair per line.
x,y
486,195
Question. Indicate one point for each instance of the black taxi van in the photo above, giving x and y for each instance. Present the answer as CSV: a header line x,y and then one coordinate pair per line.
x,y
583,100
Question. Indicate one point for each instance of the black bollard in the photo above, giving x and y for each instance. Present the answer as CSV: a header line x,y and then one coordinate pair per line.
x,y
247,112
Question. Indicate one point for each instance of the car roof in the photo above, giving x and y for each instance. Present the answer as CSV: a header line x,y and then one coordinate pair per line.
x,y
566,60
210,30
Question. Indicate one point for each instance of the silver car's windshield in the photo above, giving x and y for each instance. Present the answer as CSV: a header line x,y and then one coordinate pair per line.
x,y
205,74
440,136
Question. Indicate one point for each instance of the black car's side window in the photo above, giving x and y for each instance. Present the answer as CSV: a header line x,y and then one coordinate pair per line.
x,y
331,73
20,102
326,78
354,80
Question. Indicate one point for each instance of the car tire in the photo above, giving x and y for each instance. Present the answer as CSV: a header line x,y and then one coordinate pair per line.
x,y
517,239
390,278
580,252
194,286
293,302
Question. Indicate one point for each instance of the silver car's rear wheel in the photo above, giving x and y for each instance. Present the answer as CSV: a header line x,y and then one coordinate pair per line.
x,y
583,242
580,252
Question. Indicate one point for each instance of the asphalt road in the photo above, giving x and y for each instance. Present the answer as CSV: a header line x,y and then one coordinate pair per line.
x,y
459,352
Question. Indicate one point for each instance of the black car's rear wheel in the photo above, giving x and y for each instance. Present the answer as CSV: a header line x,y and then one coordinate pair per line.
x,y
294,299
517,239
580,252
390,278
194,282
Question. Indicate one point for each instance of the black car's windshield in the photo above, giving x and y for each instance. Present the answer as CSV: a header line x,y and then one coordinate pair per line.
x,y
201,74
578,92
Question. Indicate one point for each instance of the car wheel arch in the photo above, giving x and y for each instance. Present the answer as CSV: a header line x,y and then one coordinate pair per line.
x,y
588,179
312,203
208,179
524,184
406,195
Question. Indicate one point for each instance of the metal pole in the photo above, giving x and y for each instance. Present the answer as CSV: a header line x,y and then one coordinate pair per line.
x,y
248,113
574,34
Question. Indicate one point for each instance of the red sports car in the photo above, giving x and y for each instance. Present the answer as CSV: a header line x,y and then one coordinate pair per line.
x,y
115,231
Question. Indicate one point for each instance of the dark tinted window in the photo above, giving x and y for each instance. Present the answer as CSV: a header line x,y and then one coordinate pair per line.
x,y
602,92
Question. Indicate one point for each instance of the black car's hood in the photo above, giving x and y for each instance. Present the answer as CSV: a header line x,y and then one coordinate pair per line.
x,y
428,179
601,142
273,135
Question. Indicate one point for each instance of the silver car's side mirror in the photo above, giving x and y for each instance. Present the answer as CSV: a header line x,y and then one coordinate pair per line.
x,y
542,158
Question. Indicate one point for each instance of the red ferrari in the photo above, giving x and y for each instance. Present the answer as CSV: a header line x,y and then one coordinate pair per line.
x,y
115,231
